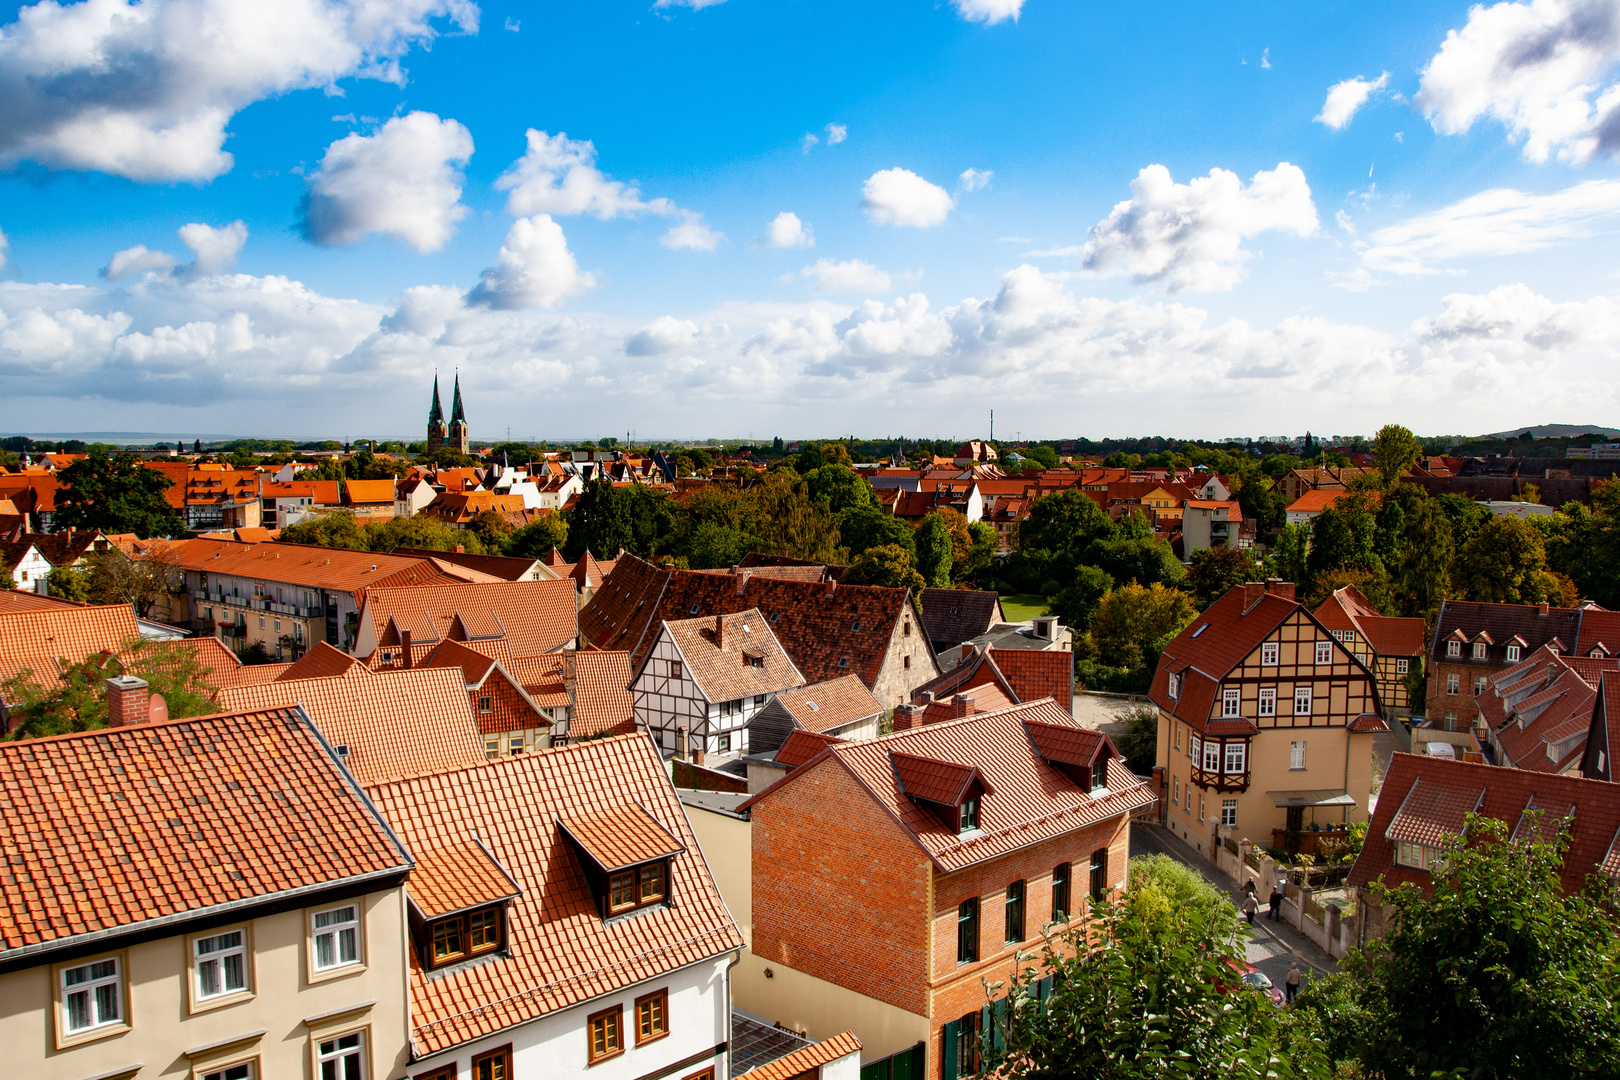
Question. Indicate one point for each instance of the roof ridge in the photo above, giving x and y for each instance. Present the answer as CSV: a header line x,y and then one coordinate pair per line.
x,y
145,725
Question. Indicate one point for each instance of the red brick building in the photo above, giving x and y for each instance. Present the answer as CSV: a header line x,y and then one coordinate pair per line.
x,y
891,876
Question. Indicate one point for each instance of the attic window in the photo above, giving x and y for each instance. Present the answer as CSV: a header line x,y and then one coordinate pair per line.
x,y
342,751
968,819
856,625
695,608
754,661
812,706
461,936
1201,629
843,661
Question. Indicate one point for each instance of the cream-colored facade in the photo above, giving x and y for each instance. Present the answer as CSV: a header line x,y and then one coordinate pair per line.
x,y
279,1024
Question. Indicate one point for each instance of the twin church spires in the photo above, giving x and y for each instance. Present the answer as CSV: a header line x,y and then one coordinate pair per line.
x,y
453,435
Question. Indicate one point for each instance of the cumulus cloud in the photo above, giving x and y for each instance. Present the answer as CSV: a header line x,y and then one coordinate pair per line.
x,y
1542,69
901,197
558,175
989,12
691,234
5,246
836,133
848,276
787,231
213,251
535,269
1498,222
1343,99
403,182
145,90
1190,236
665,334
975,179
138,260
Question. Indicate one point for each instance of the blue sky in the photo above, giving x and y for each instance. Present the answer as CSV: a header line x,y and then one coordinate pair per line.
x,y
1011,204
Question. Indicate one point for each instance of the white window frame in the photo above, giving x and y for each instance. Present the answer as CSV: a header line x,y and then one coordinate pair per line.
x,y
1200,806
1513,654
219,961
1270,653
1231,702
1479,650
1268,701
1324,652
335,932
1419,856
1173,686
1177,727
1479,685
1403,666
1453,648
1233,765
1302,696
1296,755
1453,683
1195,746
1229,813
236,1070
89,987
1175,791
329,1049
1212,759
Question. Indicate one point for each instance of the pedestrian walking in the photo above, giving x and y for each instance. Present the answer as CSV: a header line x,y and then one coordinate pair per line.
x,y
1250,906
1291,983
1276,899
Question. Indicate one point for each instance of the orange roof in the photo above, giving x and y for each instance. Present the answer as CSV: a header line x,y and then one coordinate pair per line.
x,y
602,700
457,877
1037,673
807,1061
826,705
717,651
535,617
561,952
323,662
369,491
396,725
338,569
14,600
319,492
41,641
540,677
802,746
109,830
1316,500
621,837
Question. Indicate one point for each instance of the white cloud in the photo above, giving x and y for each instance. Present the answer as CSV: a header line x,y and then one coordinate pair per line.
x,y
145,90
138,260
901,197
535,269
989,12
809,142
848,276
5,246
213,251
1542,69
665,334
975,179
691,234
404,182
787,231
1265,59
513,25
1190,236
1345,222
695,5
836,133
1498,222
558,175
1343,99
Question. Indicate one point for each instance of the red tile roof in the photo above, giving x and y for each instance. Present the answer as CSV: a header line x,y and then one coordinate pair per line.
x,y
110,829
718,651
1315,501
323,661
621,837
43,641
933,780
1500,623
952,616
337,569
457,877
562,952
801,746
534,617
832,704
603,703
1425,798
1217,641
1038,673
806,1062
368,491
1348,609
15,600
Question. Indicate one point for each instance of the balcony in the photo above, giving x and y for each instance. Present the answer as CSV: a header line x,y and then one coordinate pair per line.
x,y
1222,781
1326,840
236,630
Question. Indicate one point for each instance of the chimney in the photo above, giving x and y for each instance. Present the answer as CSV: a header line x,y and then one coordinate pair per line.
x,y
405,645
1252,592
961,705
1544,609
907,717
461,549
568,672
683,747
719,631
926,698
128,701
1279,587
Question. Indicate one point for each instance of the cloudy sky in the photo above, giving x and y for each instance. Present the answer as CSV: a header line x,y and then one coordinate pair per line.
x,y
697,218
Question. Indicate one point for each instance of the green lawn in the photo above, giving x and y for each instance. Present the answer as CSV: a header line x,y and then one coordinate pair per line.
x,y
1021,608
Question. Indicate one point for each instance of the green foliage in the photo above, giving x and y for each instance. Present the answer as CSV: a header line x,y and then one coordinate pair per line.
x,y
793,523
1077,605
934,553
1135,622
77,701
69,583
1215,571
1140,742
491,529
841,488
339,530
1044,456
868,527
1505,563
888,566
538,537
1394,450
115,494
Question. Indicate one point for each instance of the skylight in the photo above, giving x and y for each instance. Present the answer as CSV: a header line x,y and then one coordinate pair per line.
x,y
1200,630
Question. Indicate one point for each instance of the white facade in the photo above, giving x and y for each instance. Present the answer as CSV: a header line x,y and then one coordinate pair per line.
x,y
411,497
667,697
31,571
556,1045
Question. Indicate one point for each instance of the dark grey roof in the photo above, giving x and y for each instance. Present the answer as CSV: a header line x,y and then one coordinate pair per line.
x,y
952,616
1502,622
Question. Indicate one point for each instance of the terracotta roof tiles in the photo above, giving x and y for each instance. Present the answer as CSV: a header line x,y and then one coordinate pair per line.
x,y
832,704
603,703
952,616
801,746
535,617
457,877
806,1062
621,837
733,656
323,661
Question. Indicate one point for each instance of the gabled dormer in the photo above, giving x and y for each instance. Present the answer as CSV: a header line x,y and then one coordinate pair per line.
x,y
459,897
1077,753
627,857
951,791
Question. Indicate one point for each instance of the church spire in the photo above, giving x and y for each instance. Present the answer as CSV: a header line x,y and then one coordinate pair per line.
x,y
436,413
456,416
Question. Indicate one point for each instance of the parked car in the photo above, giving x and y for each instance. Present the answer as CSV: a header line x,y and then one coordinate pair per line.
x,y
1257,980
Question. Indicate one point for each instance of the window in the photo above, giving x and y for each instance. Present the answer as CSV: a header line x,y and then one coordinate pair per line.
x,y
92,996
1234,759
723,744
1344,637
1060,892
337,937
1419,856
759,699
514,744
961,1046
220,964
1479,685
1200,806
1453,648
483,930
1173,686
1268,653
1268,701
1512,654
1229,813
1231,702
754,661
342,1058
1175,791
1212,756
278,626
1402,667
1324,652
606,1039
486,704
1479,650
652,885
1453,683
1015,912
261,622
967,931
637,888
449,941
1178,735
242,1070
674,669
1195,747
730,708
906,662
1302,701
493,1065
492,748
969,819
1296,754
652,1016
1099,872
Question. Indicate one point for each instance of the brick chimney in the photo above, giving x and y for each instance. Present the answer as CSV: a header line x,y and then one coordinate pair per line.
x,y
907,717
405,645
1252,592
1279,587
719,631
128,701
1544,608
961,705
568,678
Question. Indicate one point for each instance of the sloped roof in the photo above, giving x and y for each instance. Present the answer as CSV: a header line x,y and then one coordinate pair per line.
x,y
15,600
1415,782
41,640
602,699
499,567
1316,500
535,617
1216,642
323,661
1038,673
976,669
717,652
1501,622
801,746
397,724
832,704
620,837
368,491
337,569
1348,609
953,616
457,877
562,952
1032,800
806,1061
109,829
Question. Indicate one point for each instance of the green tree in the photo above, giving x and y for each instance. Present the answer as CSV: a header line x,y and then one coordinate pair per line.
x,y
335,530
77,700
418,532
1044,456
1139,744
1215,571
1077,603
1292,551
841,488
1505,563
933,559
869,527
888,565
1065,520
1135,622
69,583
492,530
981,555
538,537
117,578
599,521
1394,450
793,523
115,494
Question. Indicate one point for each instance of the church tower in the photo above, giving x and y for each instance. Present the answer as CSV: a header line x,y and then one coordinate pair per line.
x,y
458,436
437,431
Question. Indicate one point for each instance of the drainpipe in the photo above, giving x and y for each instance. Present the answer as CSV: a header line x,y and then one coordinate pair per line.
x,y
735,960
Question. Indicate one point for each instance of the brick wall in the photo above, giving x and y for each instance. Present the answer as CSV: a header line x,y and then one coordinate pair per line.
x,y
510,710
840,891
1461,704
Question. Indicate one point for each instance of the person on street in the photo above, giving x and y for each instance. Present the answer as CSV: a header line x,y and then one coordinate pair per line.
x,y
1275,899
1291,983
1250,906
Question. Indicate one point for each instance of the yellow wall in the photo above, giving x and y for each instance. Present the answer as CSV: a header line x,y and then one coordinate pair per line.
x,y
163,1023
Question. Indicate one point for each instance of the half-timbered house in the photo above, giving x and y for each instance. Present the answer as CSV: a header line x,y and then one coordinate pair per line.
x,y
1392,647
708,677
1265,723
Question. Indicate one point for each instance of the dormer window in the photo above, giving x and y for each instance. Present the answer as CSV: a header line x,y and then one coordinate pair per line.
x,y
1479,650
627,857
637,888
968,818
1454,648
1513,654
463,936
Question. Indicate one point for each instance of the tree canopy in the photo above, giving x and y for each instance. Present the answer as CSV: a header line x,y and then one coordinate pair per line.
x,y
114,493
